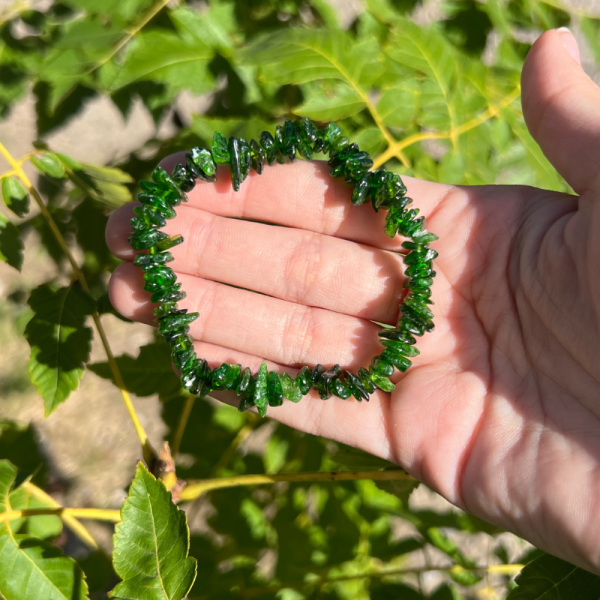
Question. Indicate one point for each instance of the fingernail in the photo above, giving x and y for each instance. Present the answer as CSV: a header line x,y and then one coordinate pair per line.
x,y
568,41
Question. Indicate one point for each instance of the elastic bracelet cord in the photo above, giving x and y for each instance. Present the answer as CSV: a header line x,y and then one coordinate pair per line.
x,y
384,189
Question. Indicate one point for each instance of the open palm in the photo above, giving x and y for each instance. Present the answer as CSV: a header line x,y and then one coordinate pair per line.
x,y
501,411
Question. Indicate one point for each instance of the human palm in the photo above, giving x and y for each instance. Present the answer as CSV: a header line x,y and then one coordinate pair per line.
x,y
500,412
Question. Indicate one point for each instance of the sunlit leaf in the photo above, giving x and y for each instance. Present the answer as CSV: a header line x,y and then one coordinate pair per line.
x,y
398,106
49,164
151,544
29,568
341,103
180,64
59,340
303,55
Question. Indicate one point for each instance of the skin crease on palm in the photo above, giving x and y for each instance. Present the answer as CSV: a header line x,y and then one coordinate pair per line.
x,y
501,411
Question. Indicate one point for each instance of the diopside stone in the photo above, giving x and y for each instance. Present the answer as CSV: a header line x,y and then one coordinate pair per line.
x,y
268,145
290,388
142,240
303,379
261,392
381,367
355,386
257,156
158,278
169,323
274,389
220,152
147,261
234,163
204,165
183,178
245,379
226,377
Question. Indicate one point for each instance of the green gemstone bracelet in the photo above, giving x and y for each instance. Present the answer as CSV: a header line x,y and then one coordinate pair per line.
x,y
385,190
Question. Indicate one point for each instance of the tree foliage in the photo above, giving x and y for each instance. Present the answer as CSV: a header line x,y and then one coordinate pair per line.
x,y
438,101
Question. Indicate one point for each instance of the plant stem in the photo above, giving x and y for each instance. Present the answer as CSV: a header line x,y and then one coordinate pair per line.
x,y
197,488
148,452
70,521
183,421
507,569
97,514
492,111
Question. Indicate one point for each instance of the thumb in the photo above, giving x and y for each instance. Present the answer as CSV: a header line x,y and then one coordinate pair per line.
x,y
561,105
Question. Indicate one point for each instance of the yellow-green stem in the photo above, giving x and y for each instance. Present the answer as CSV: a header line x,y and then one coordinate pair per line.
x,y
69,520
506,569
148,451
197,488
183,421
97,514
492,111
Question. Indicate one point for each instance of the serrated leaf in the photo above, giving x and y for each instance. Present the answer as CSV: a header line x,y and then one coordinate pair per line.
x,y
104,184
46,527
371,140
31,569
15,195
180,64
11,244
341,103
398,105
303,55
212,28
49,164
60,342
550,578
150,373
151,544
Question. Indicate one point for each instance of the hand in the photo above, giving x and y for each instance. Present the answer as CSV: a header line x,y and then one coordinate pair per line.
x,y
501,412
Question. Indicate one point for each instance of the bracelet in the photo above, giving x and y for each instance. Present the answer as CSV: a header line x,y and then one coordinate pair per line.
x,y
268,388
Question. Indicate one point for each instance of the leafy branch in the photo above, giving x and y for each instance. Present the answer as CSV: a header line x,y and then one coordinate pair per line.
x,y
148,451
452,133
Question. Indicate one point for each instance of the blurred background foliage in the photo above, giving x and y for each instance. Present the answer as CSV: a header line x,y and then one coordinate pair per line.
x,y
430,88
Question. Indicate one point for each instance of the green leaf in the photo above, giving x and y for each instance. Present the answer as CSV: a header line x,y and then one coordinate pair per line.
x,y
398,106
180,64
590,29
550,578
11,244
104,184
212,28
18,443
49,164
341,103
60,341
151,544
150,373
303,55
31,569
15,195
371,140
45,527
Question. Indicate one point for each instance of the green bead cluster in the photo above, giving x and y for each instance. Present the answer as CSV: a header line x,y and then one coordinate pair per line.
x,y
383,189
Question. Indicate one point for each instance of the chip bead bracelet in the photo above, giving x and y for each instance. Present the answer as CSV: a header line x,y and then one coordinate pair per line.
x,y
384,189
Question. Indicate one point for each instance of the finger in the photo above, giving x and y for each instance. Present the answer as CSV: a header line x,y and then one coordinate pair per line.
x,y
295,265
359,424
303,195
279,331
561,105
